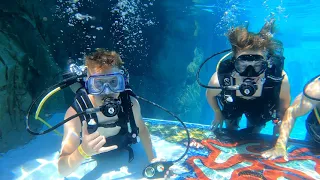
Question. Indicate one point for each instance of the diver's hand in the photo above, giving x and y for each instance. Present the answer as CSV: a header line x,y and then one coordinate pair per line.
x,y
218,121
279,150
92,144
158,160
196,144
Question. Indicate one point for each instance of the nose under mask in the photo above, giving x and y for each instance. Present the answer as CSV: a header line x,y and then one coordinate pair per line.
x,y
249,72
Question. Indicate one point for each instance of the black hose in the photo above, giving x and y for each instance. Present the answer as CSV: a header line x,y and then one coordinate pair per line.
x,y
198,79
185,127
56,126
65,83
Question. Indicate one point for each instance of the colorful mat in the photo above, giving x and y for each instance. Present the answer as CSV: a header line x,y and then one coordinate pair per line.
x,y
225,156
235,156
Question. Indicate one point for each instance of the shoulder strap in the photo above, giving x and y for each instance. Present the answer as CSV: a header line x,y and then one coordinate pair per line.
x,y
274,73
80,104
224,71
272,86
126,115
317,114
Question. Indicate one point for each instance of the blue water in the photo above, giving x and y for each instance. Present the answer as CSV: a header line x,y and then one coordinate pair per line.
x,y
297,27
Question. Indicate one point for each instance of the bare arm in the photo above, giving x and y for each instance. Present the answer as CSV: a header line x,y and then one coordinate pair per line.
x,y
301,106
143,130
70,159
285,97
212,93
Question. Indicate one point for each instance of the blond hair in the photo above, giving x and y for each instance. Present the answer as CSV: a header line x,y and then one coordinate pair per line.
x,y
103,59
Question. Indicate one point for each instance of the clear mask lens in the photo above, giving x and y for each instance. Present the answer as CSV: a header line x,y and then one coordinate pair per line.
x,y
105,84
255,62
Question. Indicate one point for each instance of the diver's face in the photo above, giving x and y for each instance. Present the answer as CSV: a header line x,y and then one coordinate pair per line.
x,y
250,63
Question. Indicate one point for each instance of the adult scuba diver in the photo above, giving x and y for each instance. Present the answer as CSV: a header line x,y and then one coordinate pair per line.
x,y
104,116
249,80
306,102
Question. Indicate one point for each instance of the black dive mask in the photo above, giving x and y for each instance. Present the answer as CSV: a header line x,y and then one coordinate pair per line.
x,y
250,65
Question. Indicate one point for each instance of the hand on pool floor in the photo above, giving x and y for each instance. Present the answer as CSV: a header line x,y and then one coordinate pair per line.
x,y
158,160
92,144
194,144
278,150
217,122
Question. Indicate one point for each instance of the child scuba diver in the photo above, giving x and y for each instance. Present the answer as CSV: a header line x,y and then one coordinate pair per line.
x,y
118,125
104,116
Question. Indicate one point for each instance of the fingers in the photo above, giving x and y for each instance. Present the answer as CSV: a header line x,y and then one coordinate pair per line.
x,y
270,155
157,160
266,154
221,124
196,145
107,149
213,128
169,174
95,141
100,144
84,128
92,136
274,156
214,125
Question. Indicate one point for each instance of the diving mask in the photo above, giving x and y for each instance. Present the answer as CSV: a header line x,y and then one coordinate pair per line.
x,y
250,65
105,84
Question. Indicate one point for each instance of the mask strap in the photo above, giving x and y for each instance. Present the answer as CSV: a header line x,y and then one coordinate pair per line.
x,y
269,60
125,74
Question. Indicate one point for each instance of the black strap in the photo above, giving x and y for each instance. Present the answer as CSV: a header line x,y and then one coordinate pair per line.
x,y
80,104
127,115
130,151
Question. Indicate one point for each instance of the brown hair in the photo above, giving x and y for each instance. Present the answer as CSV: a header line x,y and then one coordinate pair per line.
x,y
241,39
102,59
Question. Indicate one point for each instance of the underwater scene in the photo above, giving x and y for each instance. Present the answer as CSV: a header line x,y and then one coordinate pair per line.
x,y
159,89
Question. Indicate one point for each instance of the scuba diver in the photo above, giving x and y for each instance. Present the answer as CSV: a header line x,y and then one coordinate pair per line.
x,y
306,102
118,126
104,116
250,80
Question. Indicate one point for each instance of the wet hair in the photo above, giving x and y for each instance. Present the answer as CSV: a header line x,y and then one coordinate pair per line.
x,y
241,39
103,59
